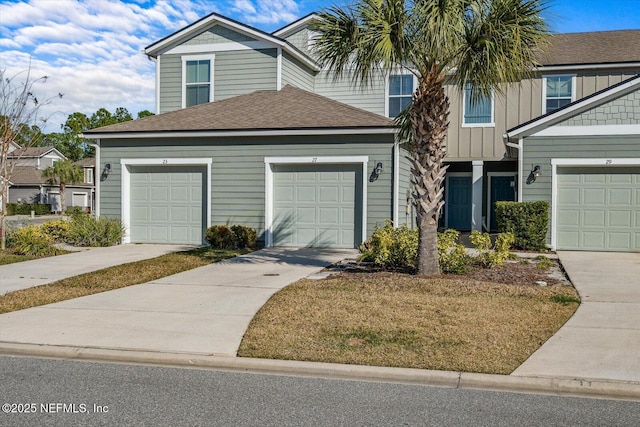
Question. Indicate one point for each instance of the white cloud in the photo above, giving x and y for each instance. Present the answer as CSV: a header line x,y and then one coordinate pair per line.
x,y
267,11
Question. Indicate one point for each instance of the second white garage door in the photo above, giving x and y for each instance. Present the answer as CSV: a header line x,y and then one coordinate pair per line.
x,y
317,205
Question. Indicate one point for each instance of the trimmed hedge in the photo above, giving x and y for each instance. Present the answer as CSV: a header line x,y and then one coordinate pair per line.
x,y
26,208
234,237
527,221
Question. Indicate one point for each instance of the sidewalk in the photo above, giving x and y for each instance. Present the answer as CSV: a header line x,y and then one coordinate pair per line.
x,y
27,274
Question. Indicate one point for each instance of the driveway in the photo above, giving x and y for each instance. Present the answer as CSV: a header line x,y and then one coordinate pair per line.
x,y
202,311
602,339
27,274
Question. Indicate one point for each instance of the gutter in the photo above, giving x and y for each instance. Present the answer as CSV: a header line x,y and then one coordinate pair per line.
x,y
96,178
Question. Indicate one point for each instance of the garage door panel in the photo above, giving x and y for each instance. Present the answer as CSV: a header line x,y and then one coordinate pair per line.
x,y
323,199
166,204
606,212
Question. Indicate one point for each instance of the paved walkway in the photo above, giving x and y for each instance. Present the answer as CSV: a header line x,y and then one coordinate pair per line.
x,y
22,275
203,311
602,339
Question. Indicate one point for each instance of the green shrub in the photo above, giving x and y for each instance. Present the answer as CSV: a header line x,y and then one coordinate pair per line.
x,y
245,236
74,210
31,240
452,255
85,230
58,230
221,237
487,256
391,247
26,208
528,221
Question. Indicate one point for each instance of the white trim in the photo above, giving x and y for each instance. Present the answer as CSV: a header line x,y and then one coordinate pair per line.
x,y
578,107
478,125
157,61
477,178
97,175
544,88
489,176
219,47
402,72
598,130
125,182
269,161
583,67
279,69
446,193
241,132
295,26
185,59
555,163
396,184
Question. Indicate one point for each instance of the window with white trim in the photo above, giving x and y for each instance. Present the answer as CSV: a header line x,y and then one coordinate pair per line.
x,y
400,93
89,174
558,92
197,78
477,109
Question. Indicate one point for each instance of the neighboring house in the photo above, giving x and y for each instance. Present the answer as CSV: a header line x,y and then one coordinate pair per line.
x,y
83,193
282,146
29,186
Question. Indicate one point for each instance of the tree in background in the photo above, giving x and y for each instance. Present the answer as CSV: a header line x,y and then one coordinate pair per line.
x,y
62,173
19,115
482,43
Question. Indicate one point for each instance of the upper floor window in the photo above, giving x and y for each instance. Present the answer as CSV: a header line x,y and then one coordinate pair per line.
x,y
400,92
197,78
478,109
558,92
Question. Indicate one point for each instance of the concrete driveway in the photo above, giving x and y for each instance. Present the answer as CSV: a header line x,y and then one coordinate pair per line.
x,y
602,339
202,311
22,275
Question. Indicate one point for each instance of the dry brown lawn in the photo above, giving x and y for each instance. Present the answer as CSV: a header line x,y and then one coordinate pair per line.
x,y
391,319
113,278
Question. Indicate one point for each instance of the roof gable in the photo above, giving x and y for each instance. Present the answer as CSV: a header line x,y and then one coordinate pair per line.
x,y
35,152
288,109
188,33
577,108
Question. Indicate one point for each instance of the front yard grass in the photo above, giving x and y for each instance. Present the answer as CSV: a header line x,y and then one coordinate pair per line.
x,y
113,278
392,319
7,257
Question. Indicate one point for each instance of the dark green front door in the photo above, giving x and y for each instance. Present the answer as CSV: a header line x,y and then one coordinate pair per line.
x,y
458,203
502,189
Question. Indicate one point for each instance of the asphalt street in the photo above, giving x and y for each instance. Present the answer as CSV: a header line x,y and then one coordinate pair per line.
x,y
67,393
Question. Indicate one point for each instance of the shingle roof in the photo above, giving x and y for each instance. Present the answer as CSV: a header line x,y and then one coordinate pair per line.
x,y
30,152
602,47
86,162
27,175
287,109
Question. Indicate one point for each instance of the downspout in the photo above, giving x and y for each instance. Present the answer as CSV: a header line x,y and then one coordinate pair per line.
x,y
518,147
96,178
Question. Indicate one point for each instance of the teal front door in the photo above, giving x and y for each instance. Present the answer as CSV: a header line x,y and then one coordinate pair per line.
x,y
458,203
503,188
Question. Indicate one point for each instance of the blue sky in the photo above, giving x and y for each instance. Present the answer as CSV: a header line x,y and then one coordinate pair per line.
x,y
92,49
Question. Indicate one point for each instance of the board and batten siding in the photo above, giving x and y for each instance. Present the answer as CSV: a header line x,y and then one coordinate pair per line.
x,y
238,170
370,98
518,104
296,74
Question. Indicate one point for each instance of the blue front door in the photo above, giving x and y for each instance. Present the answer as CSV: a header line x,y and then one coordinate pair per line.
x,y
458,203
502,189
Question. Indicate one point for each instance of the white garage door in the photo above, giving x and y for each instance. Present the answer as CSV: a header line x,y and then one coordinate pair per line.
x,y
317,205
167,204
598,209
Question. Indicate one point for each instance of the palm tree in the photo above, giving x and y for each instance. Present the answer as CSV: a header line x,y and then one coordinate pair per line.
x,y
62,173
459,42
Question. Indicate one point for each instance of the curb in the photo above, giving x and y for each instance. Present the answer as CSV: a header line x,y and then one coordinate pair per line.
x,y
591,388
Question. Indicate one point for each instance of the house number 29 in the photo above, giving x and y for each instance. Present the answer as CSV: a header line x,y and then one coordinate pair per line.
x,y
164,162
608,162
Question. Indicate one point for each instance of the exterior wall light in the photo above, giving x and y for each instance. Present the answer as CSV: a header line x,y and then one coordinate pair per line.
x,y
105,172
376,172
536,171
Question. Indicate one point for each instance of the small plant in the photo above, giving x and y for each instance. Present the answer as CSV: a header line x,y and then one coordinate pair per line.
x,y
452,255
543,263
391,247
58,230
488,257
32,241
234,237
85,230
565,299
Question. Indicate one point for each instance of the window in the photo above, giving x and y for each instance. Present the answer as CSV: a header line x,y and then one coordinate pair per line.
x,y
197,79
89,174
558,92
478,110
400,91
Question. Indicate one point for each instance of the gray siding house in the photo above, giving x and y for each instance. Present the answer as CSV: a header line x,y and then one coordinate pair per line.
x,y
290,166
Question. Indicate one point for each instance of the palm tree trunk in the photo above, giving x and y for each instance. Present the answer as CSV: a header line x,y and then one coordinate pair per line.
x,y
429,117
63,189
